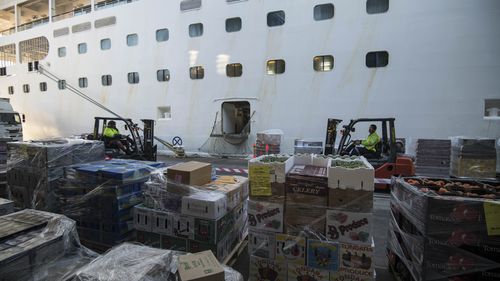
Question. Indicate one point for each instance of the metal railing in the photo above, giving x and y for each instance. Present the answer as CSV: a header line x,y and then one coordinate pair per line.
x,y
75,12
9,31
32,24
111,3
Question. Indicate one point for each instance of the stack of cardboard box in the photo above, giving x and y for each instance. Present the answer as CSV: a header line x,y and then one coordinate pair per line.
x,y
298,228
100,197
3,167
185,210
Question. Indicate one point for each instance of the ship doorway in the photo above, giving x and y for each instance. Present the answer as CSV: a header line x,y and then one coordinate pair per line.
x,y
235,118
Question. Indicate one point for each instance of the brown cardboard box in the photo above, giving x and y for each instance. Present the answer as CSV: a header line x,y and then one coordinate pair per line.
x,y
350,199
278,194
190,173
202,266
299,217
306,184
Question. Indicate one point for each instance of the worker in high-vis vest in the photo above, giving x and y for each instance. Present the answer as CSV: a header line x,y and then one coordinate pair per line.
x,y
368,146
113,137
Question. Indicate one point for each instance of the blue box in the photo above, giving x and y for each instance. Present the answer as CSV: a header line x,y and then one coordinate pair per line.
x,y
323,254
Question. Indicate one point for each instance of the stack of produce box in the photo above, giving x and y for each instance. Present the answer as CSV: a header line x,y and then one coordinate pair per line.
x,y
185,210
34,168
433,157
474,158
310,218
3,167
6,206
444,229
100,197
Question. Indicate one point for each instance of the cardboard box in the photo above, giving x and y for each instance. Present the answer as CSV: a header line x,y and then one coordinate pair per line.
x,y
266,169
306,184
265,216
143,218
148,238
213,231
323,255
357,258
201,266
346,274
349,227
267,269
350,200
231,186
291,249
358,179
277,194
6,206
220,250
174,243
208,205
262,244
301,272
163,222
190,173
183,227
301,217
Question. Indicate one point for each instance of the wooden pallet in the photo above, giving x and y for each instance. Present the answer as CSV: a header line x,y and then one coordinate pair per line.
x,y
231,259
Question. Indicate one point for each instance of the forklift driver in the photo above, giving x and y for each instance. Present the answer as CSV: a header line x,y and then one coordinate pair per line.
x,y
366,147
113,137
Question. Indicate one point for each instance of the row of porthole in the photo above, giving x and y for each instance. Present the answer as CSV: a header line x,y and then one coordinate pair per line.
x,y
273,67
275,18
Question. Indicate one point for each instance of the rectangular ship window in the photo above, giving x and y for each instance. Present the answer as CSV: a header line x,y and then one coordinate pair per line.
x,y
233,25
61,52
492,109
196,72
187,5
11,90
164,112
377,6
162,35
163,75
377,59
61,84
83,82
234,70
105,44
82,48
132,40
323,12
133,78
195,30
106,80
275,18
323,63
43,86
26,88
275,67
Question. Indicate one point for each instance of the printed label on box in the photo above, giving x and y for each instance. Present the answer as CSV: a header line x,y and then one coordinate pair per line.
x,y
349,227
298,272
357,257
260,184
291,249
265,216
323,255
492,216
349,274
261,244
267,270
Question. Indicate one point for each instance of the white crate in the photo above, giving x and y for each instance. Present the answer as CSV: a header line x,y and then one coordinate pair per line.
x,y
261,244
163,222
183,226
358,179
143,218
207,205
278,170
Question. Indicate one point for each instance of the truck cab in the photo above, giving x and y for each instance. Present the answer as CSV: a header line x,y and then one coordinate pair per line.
x,y
10,121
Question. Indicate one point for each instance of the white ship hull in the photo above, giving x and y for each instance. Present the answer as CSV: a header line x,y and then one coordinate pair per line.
x,y
444,61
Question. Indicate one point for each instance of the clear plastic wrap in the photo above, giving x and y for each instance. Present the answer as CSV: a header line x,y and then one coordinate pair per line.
x,y
100,197
473,157
176,216
35,167
36,245
131,262
316,229
443,228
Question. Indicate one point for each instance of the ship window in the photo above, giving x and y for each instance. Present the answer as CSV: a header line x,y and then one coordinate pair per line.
x,y
3,70
82,48
492,109
163,75
132,40
11,90
276,18
26,88
187,5
234,70
83,82
275,67
377,59
323,63
43,86
377,6
61,84
197,72
106,44
61,52
107,80
323,12
162,35
133,77
195,30
233,24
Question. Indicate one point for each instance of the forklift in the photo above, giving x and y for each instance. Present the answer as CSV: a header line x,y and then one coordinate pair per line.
x,y
387,161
